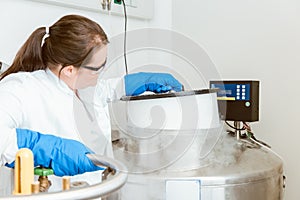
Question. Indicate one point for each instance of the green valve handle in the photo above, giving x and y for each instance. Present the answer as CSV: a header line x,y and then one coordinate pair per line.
x,y
41,171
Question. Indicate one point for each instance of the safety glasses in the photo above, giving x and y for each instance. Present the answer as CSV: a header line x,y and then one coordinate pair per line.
x,y
96,70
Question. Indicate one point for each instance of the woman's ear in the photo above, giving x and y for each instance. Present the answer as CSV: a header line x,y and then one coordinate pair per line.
x,y
69,71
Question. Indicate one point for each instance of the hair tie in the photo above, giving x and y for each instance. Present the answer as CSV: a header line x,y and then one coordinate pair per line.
x,y
47,30
47,34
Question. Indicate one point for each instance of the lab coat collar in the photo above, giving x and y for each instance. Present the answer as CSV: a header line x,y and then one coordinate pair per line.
x,y
60,83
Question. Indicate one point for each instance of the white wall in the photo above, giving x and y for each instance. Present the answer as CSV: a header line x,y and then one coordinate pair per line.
x,y
254,39
20,17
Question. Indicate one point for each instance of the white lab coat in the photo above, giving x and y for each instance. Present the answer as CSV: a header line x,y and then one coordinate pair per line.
x,y
40,101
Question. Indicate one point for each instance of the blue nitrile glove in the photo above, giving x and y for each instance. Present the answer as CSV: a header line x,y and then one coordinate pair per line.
x,y
138,83
64,156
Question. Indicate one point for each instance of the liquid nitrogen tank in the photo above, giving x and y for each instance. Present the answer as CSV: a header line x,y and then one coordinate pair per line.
x,y
168,159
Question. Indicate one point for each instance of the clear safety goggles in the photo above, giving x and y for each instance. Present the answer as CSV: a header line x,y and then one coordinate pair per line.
x,y
96,70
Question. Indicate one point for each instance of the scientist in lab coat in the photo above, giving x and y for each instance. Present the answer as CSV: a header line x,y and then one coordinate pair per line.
x,y
37,94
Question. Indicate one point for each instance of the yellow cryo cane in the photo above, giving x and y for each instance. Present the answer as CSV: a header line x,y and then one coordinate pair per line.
x,y
24,172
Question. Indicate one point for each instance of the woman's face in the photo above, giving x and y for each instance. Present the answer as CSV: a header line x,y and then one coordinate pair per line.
x,y
88,73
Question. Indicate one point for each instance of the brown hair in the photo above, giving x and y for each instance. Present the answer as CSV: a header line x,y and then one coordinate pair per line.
x,y
69,42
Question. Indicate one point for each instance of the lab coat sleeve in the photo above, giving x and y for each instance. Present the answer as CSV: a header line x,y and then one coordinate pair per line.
x,y
105,91
11,117
113,88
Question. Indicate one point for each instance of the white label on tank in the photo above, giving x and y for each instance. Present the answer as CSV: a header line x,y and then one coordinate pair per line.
x,y
183,189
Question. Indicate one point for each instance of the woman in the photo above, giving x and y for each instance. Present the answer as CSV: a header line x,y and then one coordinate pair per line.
x,y
37,94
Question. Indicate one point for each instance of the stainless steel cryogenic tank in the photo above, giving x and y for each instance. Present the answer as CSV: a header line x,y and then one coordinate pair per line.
x,y
232,170
183,163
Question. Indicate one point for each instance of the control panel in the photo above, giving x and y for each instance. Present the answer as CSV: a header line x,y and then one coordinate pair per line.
x,y
237,100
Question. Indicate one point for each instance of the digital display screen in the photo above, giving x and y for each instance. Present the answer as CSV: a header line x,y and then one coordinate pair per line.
x,y
234,92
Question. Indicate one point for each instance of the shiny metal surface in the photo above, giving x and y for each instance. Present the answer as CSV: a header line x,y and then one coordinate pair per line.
x,y
169,94
107,187
229,170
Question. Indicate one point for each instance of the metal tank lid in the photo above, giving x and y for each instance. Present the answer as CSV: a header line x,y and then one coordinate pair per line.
x,y
169,94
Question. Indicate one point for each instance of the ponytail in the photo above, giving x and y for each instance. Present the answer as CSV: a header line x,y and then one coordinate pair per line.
x,y
29,57
67,42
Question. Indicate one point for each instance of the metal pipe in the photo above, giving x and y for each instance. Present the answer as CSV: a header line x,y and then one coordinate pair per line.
x,y
35,187
108,5
66,183
237,125
103,4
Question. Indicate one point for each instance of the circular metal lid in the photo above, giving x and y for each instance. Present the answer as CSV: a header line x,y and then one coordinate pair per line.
x,y
170,94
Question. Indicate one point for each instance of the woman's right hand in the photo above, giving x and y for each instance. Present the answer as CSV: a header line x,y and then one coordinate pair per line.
x,y
64,156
